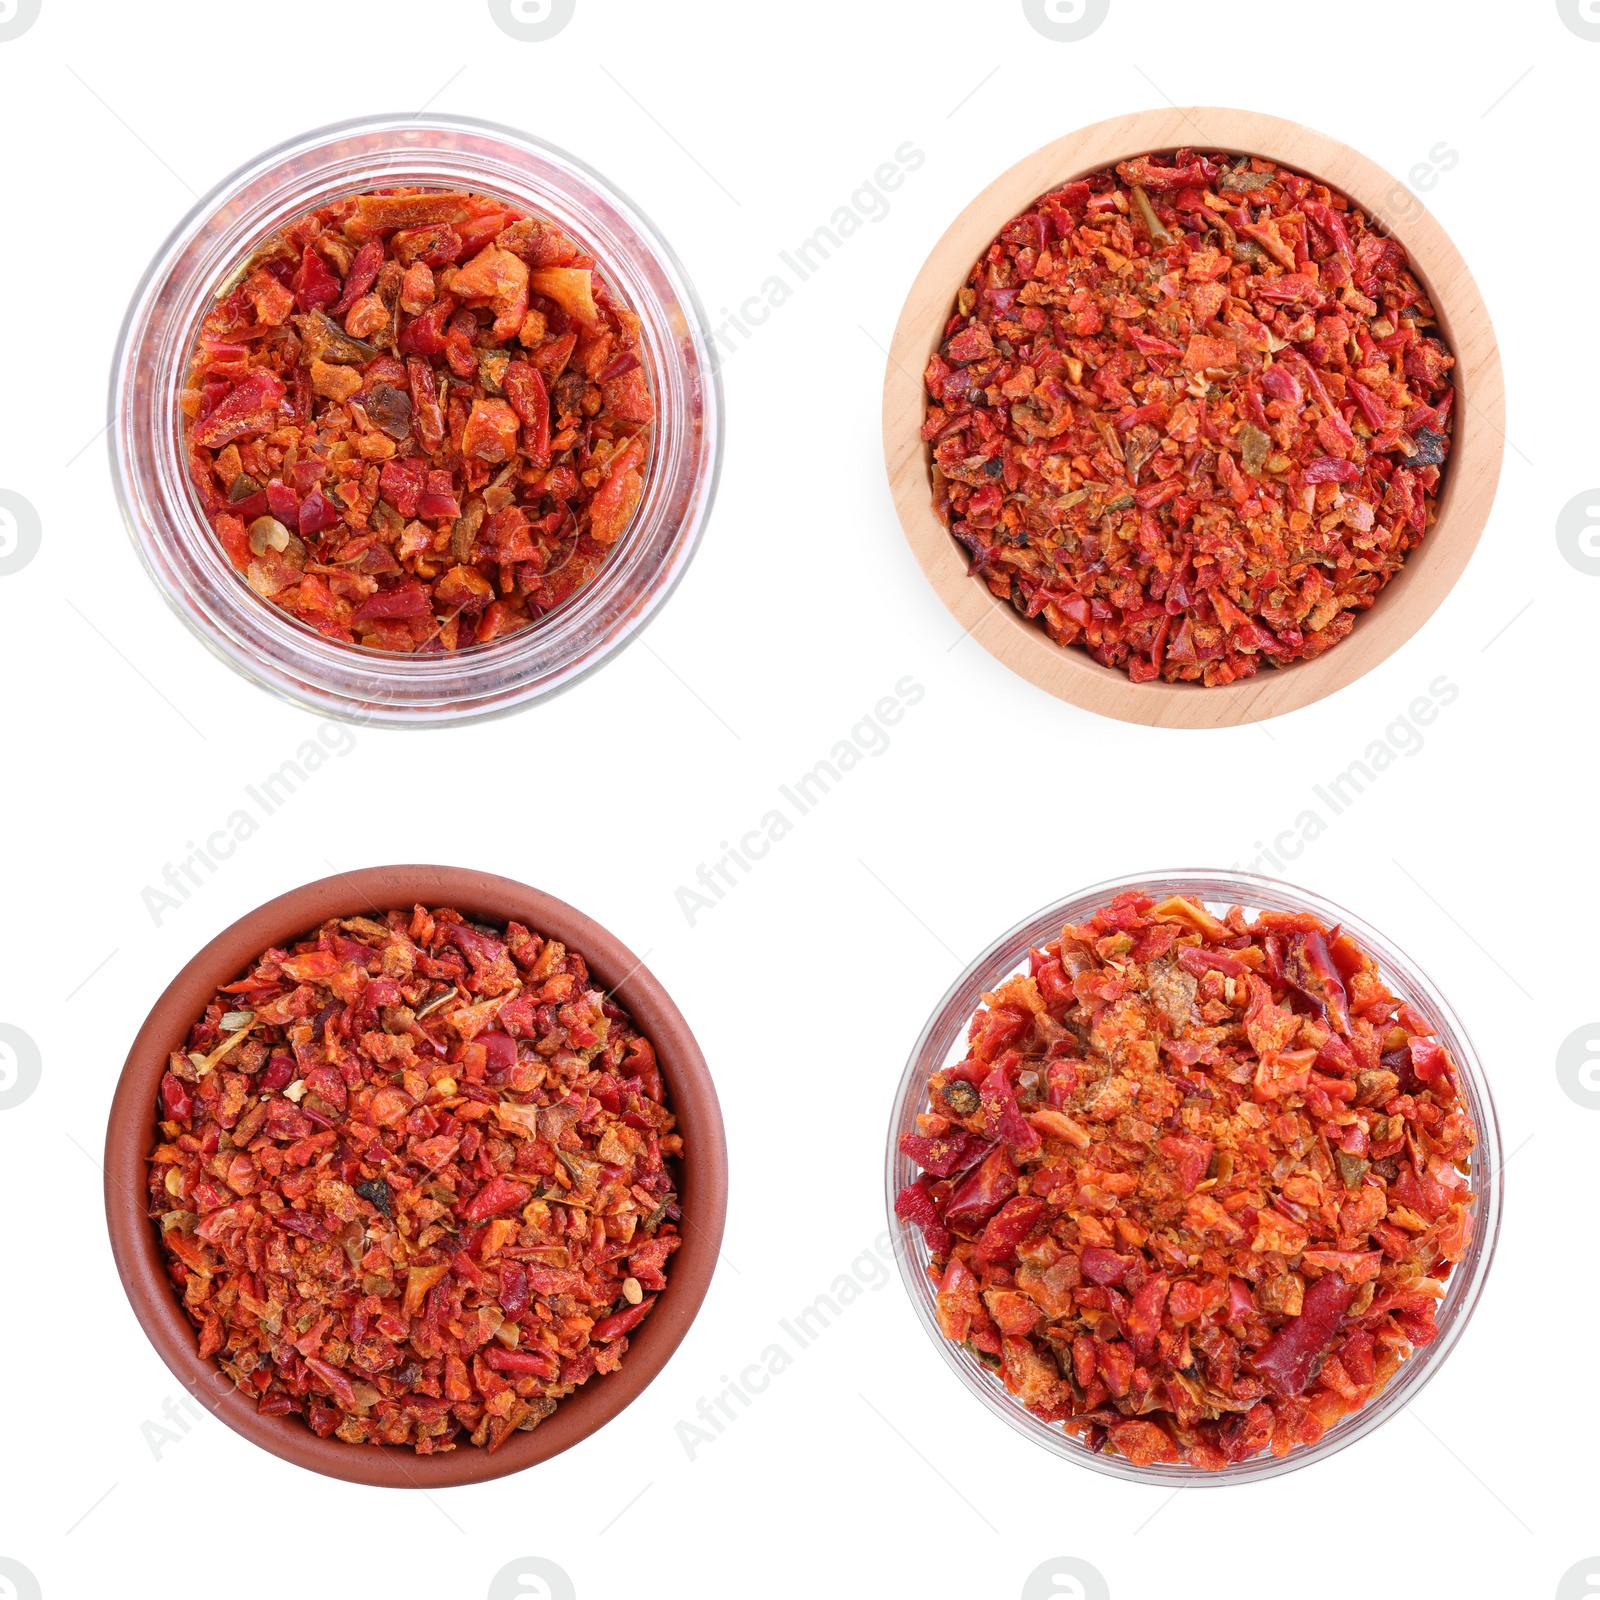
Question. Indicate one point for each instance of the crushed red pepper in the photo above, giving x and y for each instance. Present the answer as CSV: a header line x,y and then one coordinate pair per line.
x,y
413,1179
1195,1190
420,421
1191,415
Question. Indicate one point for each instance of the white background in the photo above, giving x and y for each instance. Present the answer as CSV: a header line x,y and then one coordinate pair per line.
x,y
865,1468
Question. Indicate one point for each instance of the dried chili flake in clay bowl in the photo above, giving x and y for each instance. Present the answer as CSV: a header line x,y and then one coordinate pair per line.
x,y
416,420
409,1193
1196,420
1197,1178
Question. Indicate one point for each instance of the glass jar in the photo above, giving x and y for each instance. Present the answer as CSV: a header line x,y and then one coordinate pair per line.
x,y
204,254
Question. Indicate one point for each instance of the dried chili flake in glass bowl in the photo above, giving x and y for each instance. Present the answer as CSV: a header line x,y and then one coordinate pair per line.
x,y
1190,413
1198,1185
419,420
415,1180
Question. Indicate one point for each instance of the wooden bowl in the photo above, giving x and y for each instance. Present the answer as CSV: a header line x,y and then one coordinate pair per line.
x,y
132,1135
1429,571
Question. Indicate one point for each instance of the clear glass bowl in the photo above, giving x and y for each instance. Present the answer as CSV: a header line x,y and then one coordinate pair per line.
x,y
943,1041
185,558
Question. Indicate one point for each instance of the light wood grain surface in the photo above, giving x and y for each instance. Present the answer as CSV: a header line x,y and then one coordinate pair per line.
x,y
1429,572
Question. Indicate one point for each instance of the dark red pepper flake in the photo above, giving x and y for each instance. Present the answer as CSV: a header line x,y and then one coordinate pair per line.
x,y
415,1179
1191,415
1213,1183
420,421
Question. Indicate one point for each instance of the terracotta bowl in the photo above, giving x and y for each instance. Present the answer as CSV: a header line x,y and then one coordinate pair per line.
x,y
132,1135
1430,571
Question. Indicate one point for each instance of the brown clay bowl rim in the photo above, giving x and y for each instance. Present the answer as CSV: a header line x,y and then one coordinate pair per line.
x,y
130,1137
1429,572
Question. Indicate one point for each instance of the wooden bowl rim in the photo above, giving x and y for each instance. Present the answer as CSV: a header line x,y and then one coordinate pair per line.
x,y
130,1136
1429,572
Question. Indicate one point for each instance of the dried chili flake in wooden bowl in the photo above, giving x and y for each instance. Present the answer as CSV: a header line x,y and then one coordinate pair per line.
x,y
413,1180
420,420
1191,415
1195,1190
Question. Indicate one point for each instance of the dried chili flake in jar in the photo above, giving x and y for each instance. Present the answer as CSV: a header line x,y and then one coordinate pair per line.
x,y
419,420
1197,1185
1190,414
414,1179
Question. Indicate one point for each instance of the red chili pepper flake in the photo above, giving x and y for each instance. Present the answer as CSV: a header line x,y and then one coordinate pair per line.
x,y
414,1181
1196,1187
419,421
1191,415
